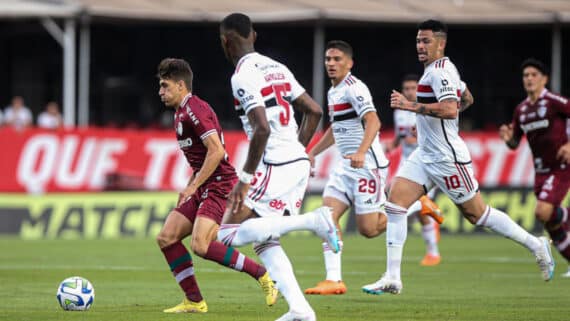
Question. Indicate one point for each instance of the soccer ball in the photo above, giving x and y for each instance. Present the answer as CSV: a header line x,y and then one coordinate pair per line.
x,y
75,294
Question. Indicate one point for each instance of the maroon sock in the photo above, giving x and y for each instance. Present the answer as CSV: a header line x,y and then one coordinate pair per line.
x,y
230,257
181,266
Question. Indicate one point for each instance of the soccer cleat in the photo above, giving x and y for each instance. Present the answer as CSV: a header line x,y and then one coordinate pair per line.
x,y
430,260
189,306
298,316
544,259
384,285
326,229
327,287
567,274
268,288
431,209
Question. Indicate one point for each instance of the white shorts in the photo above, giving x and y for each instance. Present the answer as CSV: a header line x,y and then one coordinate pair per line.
x,y
276,188
358,187
454,179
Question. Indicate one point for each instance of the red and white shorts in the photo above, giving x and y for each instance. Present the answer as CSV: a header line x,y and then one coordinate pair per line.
x,y
276,188
454,179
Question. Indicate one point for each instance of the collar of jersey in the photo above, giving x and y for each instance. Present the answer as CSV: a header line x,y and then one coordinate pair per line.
x,y
185,99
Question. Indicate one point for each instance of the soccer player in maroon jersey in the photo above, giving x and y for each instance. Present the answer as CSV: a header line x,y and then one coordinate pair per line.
x,y
542,117
201,204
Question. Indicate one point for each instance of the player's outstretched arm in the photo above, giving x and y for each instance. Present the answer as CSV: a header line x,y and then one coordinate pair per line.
x,y
506,133
371,128
260,125
326,141
312,114
445,109
214,156
466,100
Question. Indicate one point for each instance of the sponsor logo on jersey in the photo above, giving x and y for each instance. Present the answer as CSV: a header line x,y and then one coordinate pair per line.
x,y
444,82
339,130
535,125
277,204
541,111
183,143
368,201
179,128
274,76
192,116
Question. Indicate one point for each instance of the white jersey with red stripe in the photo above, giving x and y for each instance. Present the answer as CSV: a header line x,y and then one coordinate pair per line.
x,y
348,102
438,139
404,122
261,82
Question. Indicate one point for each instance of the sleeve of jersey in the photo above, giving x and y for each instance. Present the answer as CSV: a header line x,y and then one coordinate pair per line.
x,y
360,99
445,84
563,105
203,122
247,91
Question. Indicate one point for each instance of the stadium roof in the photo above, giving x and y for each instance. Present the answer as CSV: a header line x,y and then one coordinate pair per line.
x,y
391,11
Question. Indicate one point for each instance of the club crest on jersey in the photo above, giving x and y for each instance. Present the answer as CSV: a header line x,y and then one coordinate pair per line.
x,y
541,111
179,128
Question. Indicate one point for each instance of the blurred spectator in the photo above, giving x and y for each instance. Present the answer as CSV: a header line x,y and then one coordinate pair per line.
x,y
17,115
51,117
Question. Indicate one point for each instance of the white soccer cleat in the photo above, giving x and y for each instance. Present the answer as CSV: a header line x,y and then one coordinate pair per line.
x,y
544,259
298,316
325,227
384,285
567,274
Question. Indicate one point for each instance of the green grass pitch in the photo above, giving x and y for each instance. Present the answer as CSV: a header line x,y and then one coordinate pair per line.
x,y
480,278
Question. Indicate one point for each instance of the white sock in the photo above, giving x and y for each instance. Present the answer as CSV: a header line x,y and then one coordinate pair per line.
x,y
281,271
431,193
415,208
333,262
501,223
430,237
396,233
261,229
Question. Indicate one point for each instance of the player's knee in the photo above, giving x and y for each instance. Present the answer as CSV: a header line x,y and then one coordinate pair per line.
x,y
165,238
473,218
368,231
199,246
542,214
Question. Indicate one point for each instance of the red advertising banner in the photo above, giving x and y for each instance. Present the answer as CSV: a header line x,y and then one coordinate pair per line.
x,y
78,160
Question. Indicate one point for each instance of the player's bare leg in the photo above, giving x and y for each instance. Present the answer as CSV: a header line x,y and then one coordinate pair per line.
x,y
555,220
403,193
477,212
175,229
333,283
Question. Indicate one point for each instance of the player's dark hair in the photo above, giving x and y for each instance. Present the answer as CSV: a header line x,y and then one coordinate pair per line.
x,y
533,62
434,25
342,46
175,69
237,22
411,77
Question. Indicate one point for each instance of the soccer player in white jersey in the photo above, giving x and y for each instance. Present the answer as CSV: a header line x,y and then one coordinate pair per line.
x,y
273,180
442,159
405,132
359,181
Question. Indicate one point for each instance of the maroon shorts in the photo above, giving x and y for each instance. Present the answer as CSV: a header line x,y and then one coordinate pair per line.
x,y
552,187
208,201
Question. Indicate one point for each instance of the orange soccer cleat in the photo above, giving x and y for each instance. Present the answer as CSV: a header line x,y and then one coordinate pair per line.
x,y
430,260
431,209
327,287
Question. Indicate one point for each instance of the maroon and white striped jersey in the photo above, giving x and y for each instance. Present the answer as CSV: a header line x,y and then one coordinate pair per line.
x,y
348,102
195,120
261,82
544,123
438,139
